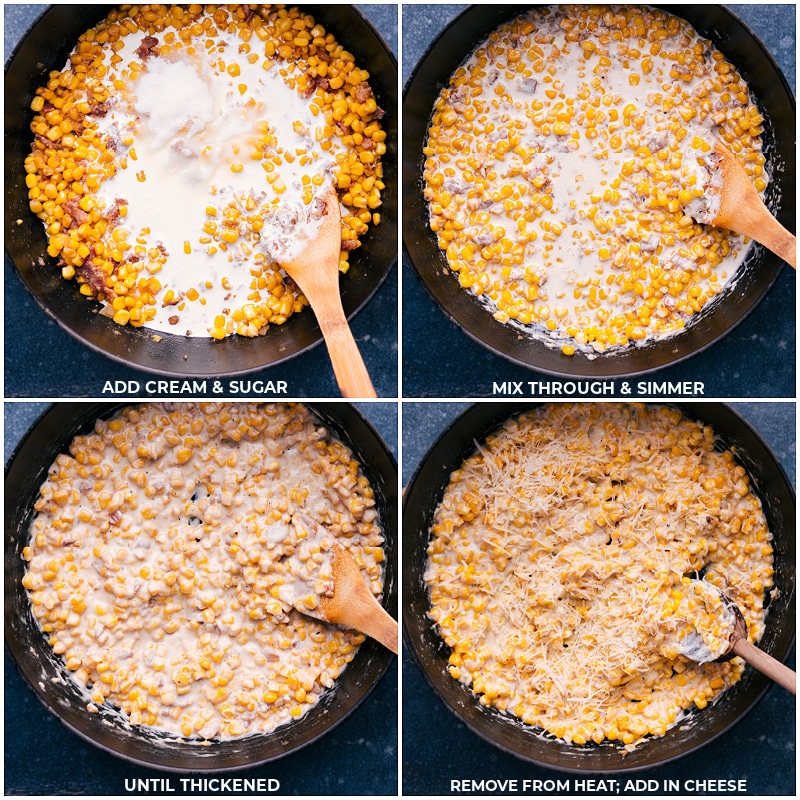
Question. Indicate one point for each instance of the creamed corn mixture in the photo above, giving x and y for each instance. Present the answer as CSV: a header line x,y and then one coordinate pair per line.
x,y
165,568
569,167
569,554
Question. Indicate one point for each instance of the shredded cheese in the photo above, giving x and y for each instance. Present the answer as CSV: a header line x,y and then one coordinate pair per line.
x,y
561,562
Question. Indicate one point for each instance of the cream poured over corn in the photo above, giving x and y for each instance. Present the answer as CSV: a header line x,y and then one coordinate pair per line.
x,y
194,128
569,165
561,560
165,567
182,150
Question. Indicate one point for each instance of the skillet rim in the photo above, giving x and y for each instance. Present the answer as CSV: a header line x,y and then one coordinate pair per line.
x,y
466,312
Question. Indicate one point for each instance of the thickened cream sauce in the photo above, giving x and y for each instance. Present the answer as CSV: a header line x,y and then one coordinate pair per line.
x,y
166,566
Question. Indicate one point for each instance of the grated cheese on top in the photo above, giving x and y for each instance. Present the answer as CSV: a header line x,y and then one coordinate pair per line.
x,y
563,562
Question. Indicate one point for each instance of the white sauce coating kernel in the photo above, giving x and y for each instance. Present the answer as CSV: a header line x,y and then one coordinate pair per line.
x,y
560,568
703,625
569,164
164,565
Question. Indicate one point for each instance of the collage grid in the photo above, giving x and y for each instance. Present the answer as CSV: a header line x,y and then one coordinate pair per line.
x,y
427,370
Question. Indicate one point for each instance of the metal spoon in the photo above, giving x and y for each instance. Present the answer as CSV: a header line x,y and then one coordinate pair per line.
x,y
693,647
349,602
742,210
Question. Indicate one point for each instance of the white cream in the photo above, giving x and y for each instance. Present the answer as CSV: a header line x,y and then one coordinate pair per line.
x,y
577,281
191,122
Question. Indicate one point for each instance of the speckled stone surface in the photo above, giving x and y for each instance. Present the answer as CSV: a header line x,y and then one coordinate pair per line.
x,y
31,370
756,360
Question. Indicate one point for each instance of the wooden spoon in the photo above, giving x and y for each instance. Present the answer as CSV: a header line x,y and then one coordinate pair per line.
x,y
351,603
763,662
739,645
316,271
742,210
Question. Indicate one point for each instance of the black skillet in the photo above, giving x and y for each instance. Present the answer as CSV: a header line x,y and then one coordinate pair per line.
x,y
46,47
774,98
425,490
45,674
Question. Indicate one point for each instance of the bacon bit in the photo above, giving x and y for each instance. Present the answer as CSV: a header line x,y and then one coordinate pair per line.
x,y
175,300
79,216
146,48
362,92
174,320
113,214
310,88
113,143
96,278
100,109
350,244
314,83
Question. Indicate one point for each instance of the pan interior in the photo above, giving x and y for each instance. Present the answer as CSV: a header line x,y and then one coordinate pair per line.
x,y
467,312
46,676
425,490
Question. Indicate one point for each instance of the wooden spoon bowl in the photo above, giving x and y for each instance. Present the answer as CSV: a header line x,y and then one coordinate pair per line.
x,y
736,643
742,210
740,645
350,603
316,271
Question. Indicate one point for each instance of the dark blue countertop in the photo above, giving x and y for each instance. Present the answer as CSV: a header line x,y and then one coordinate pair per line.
x,y
437,747
32,371
359,757
756,359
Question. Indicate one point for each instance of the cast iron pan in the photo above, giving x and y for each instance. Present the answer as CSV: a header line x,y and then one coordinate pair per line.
x,y
45,674
46,47
776,102
425,490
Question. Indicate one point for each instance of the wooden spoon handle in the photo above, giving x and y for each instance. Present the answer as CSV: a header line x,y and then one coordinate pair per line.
x,y
765,229
765,663
348,365
384,629
374,620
